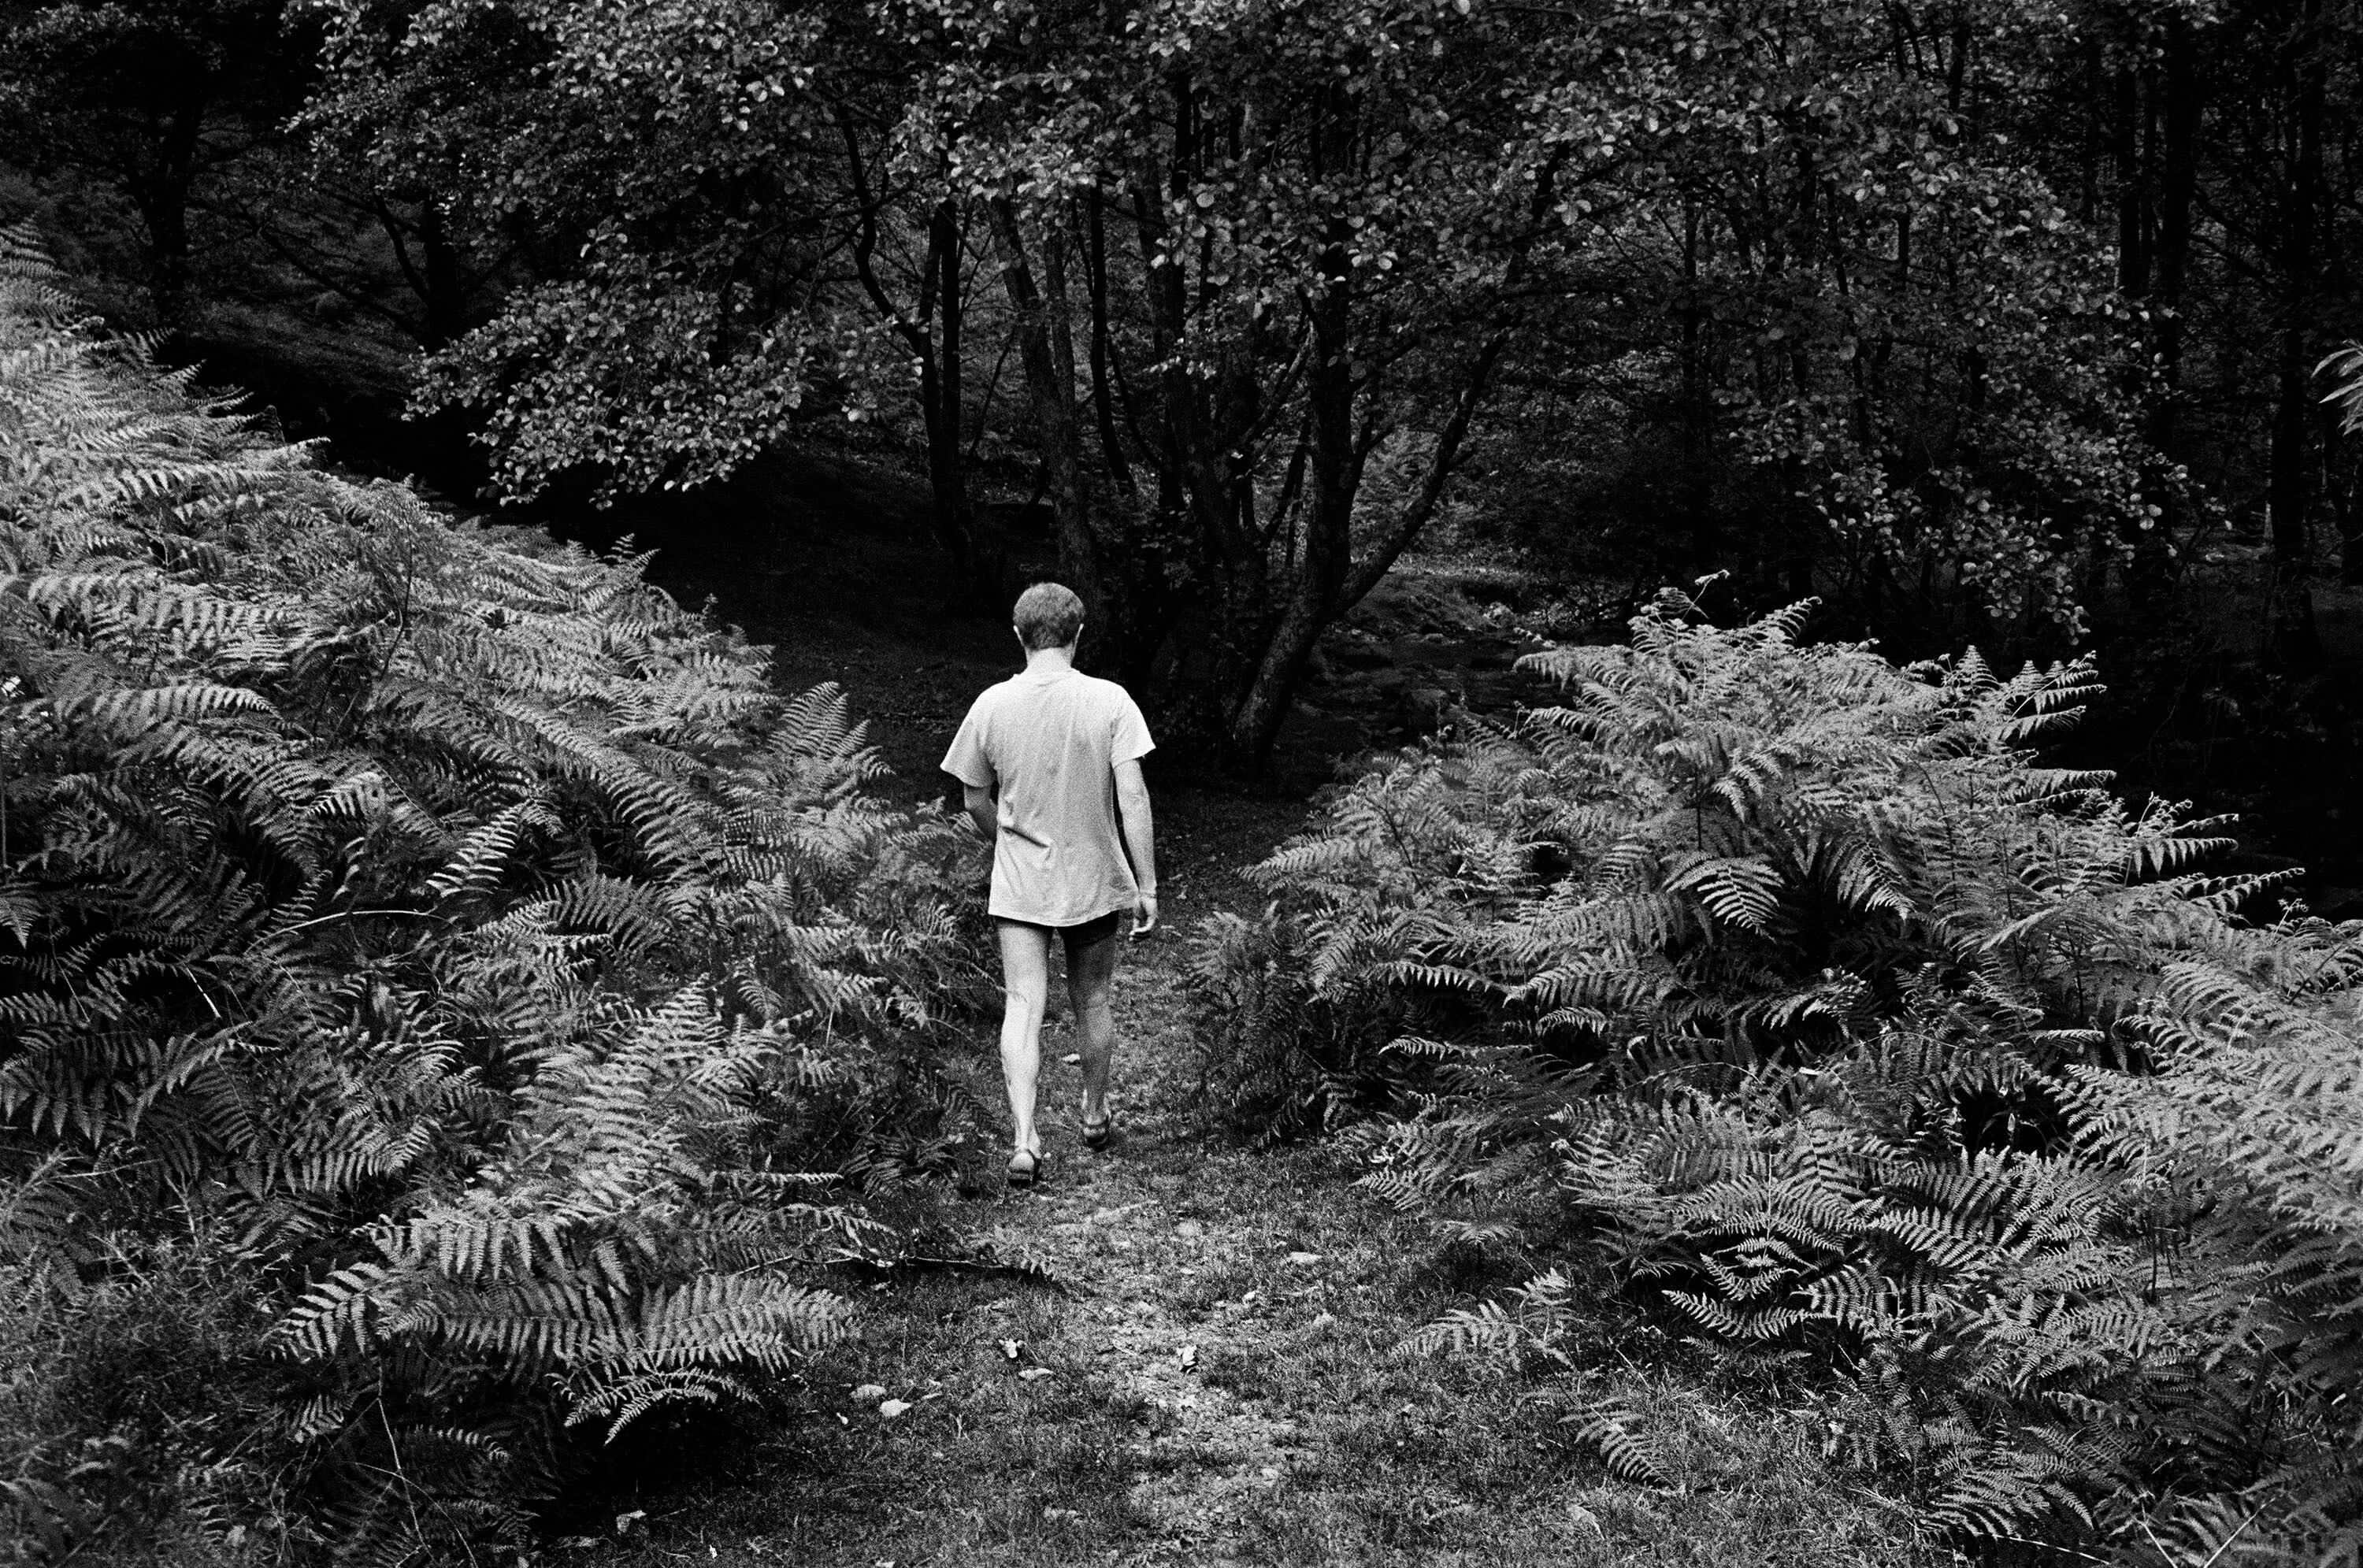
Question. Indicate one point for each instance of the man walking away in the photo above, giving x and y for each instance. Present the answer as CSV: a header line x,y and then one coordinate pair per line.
x,y
1049,757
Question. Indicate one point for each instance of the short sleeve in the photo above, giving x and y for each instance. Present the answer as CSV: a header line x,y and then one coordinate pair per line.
x,y
966,761
1131,741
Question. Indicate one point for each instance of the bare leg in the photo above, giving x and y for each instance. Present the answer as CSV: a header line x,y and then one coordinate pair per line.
x,y
1091,970
1025,983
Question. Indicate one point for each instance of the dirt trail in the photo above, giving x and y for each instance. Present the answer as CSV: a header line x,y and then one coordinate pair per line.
x,y
1216,1369
1151,1272
1216,1365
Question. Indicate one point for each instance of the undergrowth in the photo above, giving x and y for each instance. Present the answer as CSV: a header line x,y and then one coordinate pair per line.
x,y
1789,984
438,944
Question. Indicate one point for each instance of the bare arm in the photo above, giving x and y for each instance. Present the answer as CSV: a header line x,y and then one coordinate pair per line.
x,y
979,802
1139,841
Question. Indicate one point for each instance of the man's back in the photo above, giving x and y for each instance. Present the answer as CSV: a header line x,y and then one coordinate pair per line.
x,y
1050,741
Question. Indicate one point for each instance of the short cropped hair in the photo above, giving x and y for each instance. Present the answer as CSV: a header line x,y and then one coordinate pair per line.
x,y
1048,615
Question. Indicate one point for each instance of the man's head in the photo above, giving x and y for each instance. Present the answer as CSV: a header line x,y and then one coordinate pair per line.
x,y
1048,615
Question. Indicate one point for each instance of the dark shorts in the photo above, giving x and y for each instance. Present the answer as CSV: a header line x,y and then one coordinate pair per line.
x,y
1091,934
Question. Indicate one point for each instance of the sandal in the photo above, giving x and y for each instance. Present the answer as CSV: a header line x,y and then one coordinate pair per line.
x,y
1025,1168
1097,1130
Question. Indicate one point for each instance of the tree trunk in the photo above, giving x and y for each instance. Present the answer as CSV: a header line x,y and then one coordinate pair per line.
x,y
1334,463
1255,720
1104,371
2167,265
941,396
2178,188
159,192
936,350
1804,525
1110,634
2133,184
2290,471
2338,488
1698,410
445,295
1328,581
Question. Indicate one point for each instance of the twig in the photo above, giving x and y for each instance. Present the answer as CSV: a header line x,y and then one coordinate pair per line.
x,y
2053,1546
350,915
2227,1544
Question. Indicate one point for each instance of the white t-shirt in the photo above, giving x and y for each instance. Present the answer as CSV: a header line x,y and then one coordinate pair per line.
x,y
1051,740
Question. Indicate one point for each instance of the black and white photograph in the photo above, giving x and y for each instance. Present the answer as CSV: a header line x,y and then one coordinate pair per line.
x,y
1181,783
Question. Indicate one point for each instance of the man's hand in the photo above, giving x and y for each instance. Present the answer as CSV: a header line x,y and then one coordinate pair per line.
x,y
1139,843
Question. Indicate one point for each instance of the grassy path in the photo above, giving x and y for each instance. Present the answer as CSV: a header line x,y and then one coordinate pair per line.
x,y
1218,1371
1218,1374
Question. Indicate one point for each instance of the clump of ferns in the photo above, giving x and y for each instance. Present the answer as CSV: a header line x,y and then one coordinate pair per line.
x,y
1841,1027
470,925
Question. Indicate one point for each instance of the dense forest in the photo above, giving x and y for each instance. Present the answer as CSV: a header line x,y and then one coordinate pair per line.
x,y
1990,322
455,1004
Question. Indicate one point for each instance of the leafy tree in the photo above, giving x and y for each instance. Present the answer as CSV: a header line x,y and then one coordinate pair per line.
x,y
2204,142
2244,95
656,172
1263,271
143,101
1879,359
1974,321
1289,242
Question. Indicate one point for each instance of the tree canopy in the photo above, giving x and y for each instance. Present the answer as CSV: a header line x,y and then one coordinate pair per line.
x,y
1980,319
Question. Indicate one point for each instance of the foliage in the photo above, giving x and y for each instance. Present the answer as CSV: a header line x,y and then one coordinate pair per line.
x,y
1258,303
667,323
1265,309
1842,1029
136,1415
137,100
451,919
2344,366
1986,321
1728,847
1825,302
1276,1051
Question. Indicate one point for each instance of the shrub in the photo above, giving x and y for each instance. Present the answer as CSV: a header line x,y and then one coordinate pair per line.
x,y
1725,851
1789,981
1283,1048
455,920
